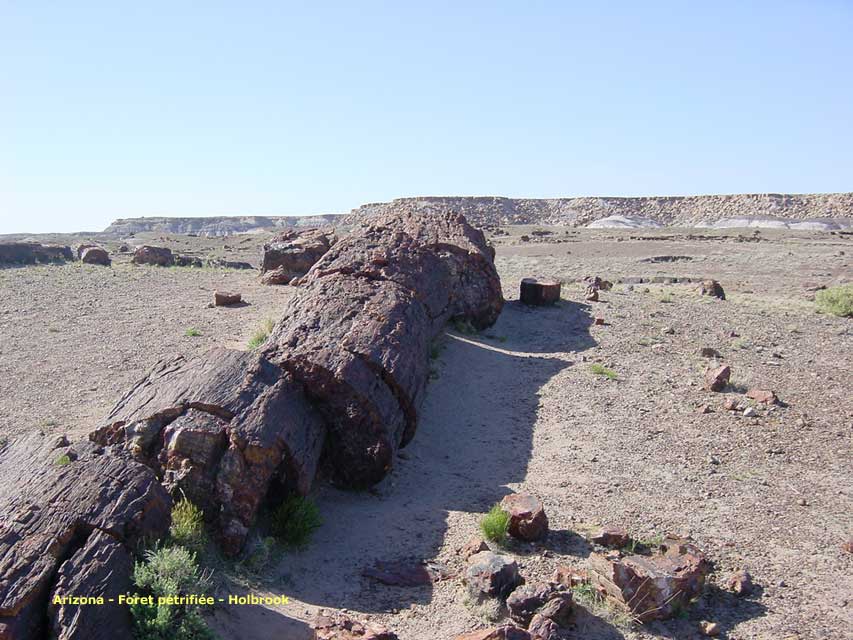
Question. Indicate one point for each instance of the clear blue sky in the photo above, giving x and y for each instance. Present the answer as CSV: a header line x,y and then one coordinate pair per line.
x,y
116,109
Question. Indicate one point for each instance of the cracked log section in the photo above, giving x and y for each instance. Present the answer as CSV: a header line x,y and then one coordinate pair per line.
x,y
338,383
70,518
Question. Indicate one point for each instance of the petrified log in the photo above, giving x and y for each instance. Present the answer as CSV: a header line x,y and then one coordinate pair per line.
x,y
539,292
33,252
292,253
95,255
69,517
160,256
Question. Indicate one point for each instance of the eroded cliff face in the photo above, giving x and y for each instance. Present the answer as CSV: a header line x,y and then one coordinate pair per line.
x,y
216,226
686,211
675,211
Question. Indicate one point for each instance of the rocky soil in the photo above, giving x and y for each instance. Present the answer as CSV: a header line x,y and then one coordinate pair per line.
x,y
517,408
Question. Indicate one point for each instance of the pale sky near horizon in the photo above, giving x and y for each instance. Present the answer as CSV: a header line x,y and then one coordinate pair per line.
x,y
117,109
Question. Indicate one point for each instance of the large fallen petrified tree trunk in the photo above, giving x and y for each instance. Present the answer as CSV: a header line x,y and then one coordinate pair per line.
x,y
340,379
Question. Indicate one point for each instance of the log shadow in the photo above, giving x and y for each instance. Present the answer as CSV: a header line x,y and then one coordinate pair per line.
x,y
474,438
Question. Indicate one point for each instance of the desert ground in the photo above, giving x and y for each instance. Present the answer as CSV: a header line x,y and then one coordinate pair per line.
x,y
517,408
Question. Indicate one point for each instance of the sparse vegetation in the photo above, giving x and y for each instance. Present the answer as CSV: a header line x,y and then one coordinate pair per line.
x,y
463,326
169,571
494,524
667,298
295,520
187,528
601,370
836,301
63,460
192,333
585,595
261,334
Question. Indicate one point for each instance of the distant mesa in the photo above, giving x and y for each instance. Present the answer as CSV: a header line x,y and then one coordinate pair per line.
x,y
805,212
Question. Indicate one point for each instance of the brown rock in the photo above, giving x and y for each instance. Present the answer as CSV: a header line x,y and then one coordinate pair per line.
x,y
490,575
740,583
709,628
33,252
406,573
764,396
527,599
599,321
651,587
81,248
292,253
160,256
568,576
709,352
226,299
731,404
612,537
543,628
338,626
716,379
591,295
559,608
704,409
539,292
504,632
473,546
527,519
95,255
712,288
847,546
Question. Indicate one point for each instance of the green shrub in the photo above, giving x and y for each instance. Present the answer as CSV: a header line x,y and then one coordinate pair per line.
x,y
169,571
495,524
192,333
837,301
601,370
63,460
295,521
187,528
260,336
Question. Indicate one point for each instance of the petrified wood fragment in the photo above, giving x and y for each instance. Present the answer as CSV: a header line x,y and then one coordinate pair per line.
x,y
68,518
539,292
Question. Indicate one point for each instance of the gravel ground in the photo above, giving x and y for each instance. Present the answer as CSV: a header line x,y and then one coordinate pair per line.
x,y
517,408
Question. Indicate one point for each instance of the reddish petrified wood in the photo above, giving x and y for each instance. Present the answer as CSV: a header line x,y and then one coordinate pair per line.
x,y
539,292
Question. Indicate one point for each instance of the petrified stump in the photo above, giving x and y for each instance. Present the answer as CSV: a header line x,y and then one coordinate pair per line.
x,y
226,298
527,519
95,255
713,289
539,292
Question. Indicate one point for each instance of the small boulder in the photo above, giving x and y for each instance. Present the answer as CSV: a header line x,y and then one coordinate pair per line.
x,y
591,295
568,576
527,599
490,575
651,587
527,519
731,404
188,261
717,378
764,396
709,629
750,412
473,546
159,256
740,583
81,248
293,252
612,537
226,299
95,255
709,352
543,628
712,288
338,626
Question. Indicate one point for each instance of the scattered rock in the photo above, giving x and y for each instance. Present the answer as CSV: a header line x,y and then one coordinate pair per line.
x,y
847,546
559,608
651,587
764,396
712,288
95,255
339,626
709,628
704,409
599,321
539,292
717,378
668,331
527,519
731,404
226,299
473,546
491,575
612,537
749,412
123,248
188,261
740,583
568,576
228,264
504,632
543,628
277,276
591,295
709,352
160,256
527,599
